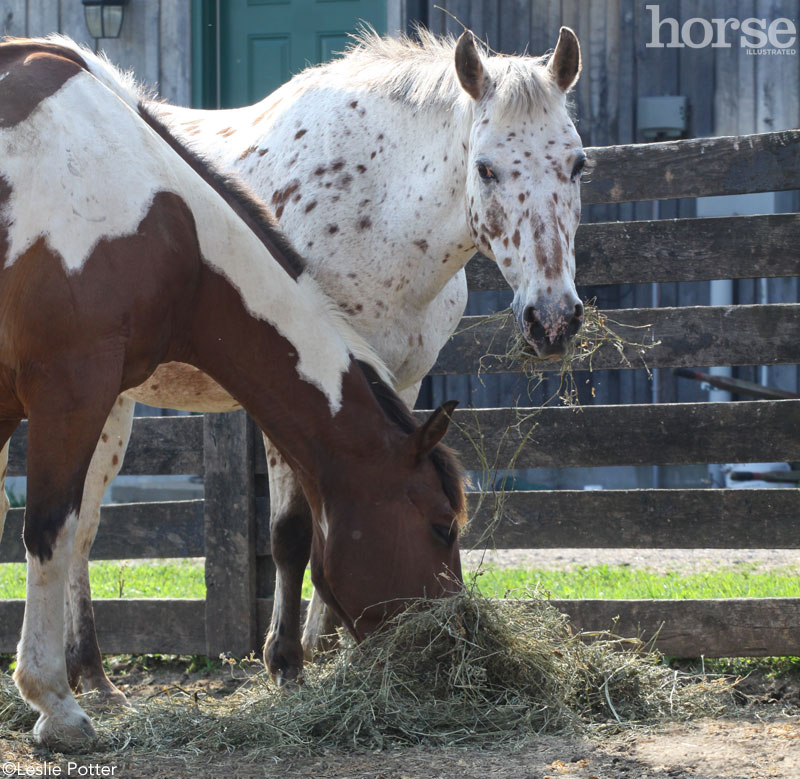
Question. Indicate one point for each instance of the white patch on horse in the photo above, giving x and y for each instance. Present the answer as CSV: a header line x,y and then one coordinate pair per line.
x,y
63,198
140,164
41,674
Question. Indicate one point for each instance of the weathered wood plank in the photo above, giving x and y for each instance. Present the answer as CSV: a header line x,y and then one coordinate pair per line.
x,y
12,21
679,519
175,55
684,336
688,628
136,626
660,434
642,434
42,17
129,530
731,627
673,250
637,519
230,533
693,168
163,445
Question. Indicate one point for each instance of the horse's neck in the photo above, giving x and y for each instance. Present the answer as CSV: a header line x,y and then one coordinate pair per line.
x,y
272,345
398,196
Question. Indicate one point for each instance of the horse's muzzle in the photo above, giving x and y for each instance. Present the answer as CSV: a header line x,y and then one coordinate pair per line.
x,y
549,328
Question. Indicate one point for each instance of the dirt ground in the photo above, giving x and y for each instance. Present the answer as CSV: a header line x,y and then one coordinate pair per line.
x,y
759,738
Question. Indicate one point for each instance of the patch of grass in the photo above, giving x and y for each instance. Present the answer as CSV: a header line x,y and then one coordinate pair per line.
x,y
610,582
120,579
770,668
184,579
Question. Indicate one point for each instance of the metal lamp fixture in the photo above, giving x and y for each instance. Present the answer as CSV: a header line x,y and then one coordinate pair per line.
x,y
104,17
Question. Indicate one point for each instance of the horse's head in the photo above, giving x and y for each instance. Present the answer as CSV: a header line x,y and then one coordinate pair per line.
x,y
391,535
524,163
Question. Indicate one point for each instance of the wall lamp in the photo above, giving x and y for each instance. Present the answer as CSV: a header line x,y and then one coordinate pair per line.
x,y
104,17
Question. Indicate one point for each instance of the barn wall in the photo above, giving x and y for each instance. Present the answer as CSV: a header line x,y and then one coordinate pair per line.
x,y
729,92
155,40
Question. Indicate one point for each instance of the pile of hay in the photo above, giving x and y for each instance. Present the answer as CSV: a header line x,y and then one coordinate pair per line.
x,y
461,671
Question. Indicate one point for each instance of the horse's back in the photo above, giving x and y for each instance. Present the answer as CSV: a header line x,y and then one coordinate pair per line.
x,y
96,247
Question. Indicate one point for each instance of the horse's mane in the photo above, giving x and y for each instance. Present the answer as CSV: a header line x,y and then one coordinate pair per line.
x,y
444,459
421,72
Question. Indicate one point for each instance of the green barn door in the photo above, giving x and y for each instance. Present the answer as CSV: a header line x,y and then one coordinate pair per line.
x,y
263,43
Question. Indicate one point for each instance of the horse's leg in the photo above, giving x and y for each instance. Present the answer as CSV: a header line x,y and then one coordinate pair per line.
x,y
84,663
290,527
63,430
319,632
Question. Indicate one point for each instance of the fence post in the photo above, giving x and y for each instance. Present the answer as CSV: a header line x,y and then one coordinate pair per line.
x,y
230,534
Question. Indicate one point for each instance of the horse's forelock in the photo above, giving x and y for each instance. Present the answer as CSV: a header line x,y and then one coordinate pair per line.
x,y
421,72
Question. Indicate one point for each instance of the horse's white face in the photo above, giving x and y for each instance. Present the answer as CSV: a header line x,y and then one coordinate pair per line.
x,y
523,196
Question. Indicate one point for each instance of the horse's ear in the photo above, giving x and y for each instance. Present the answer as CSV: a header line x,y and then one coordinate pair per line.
x,y
565,64
469,67
424,438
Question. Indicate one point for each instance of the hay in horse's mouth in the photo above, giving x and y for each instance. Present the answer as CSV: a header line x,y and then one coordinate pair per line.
x,y
458,671
597,332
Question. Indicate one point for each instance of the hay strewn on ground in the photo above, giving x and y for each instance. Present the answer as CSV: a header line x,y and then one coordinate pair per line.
x,y
461,671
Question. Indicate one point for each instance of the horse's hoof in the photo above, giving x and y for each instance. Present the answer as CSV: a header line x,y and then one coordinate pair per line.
x,y
106,699
66,733
108,696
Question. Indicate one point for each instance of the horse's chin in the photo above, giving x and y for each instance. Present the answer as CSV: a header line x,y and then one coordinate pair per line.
x,y
546,353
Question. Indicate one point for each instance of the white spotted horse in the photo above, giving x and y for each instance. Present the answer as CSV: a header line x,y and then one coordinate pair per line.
x,y
121,250
386,168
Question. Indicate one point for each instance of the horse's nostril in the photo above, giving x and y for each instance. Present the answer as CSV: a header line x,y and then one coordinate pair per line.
x,y
528,315
579,310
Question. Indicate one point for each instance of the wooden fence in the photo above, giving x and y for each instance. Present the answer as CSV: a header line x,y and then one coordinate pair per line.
x,y
230,527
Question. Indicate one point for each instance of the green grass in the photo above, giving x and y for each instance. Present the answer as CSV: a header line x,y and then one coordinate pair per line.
x,y
184,579
609,582
170,579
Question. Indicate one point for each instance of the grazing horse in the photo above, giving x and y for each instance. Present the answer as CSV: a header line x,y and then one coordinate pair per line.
x,y
386,168
121,250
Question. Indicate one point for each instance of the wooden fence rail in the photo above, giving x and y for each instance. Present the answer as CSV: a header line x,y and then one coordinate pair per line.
x,y
230,526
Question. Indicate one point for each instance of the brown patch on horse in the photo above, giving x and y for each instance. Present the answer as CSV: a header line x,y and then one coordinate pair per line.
x,y
34,72
281,196
444,459
247,152
38,330
266,113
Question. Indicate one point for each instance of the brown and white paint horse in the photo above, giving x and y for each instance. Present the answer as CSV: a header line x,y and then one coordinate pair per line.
x,y
386,167
122,251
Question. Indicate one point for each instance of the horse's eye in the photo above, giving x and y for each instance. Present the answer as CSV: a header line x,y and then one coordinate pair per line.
x,y
444,533
485,172
577,168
